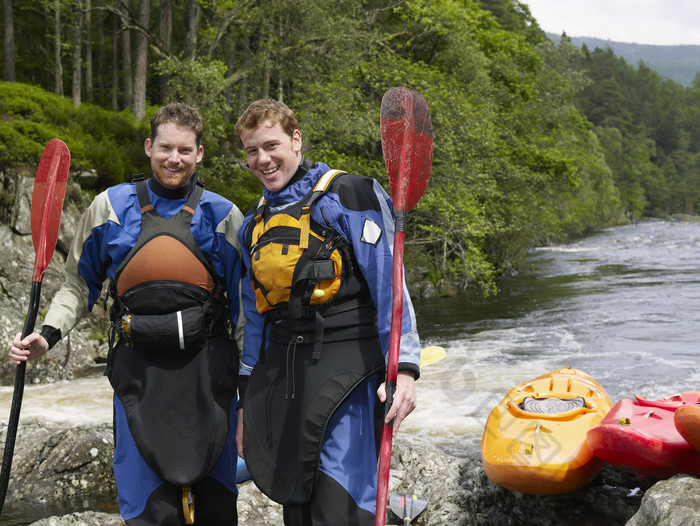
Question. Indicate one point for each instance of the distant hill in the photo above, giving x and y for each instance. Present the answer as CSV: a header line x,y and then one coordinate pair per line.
x,y
679,63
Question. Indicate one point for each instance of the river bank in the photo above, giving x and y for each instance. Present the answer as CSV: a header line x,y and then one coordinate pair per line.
x,y
620,305
68,468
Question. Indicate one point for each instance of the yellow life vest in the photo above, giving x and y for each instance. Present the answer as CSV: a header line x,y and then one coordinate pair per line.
x,y
296,261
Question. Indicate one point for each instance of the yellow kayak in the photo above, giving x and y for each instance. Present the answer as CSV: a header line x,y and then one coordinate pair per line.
x,y
535,440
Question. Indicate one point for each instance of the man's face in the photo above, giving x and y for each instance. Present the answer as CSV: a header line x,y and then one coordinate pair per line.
x,y
174,155
273,156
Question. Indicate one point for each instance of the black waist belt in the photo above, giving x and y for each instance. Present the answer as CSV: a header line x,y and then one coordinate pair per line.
x,y
353,323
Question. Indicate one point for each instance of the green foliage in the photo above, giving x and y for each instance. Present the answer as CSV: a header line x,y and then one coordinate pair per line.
x,y
110,143
200,83
533,142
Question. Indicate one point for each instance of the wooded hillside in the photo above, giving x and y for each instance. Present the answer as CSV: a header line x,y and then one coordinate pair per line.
x,y
679,63
534,142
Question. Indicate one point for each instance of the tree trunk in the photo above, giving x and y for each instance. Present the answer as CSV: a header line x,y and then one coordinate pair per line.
x,y
192,14
127,74
88,51
141,71
101,22
280,83
115,63
8,42
166,35
230,67
58,68
268,66
77,59
243,90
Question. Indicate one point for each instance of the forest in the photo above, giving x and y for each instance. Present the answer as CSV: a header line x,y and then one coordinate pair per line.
x,y
534,142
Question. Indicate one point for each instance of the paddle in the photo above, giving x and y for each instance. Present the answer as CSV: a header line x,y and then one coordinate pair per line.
x,y
407,145
47,204
407,507
431,355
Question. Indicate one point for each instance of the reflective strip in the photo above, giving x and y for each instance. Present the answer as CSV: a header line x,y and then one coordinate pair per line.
x,y
325,179
180,331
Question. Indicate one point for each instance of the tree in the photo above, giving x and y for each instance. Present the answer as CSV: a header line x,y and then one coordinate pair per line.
x,y
58,68
127,71
77,55
114,99
140,72
88,51
8,42
192,15
166,36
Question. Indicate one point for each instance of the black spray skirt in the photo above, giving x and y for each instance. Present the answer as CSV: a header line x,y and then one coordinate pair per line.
x,y
177,405
289,400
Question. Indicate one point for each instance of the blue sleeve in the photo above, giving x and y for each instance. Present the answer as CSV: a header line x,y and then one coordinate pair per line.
x,y
364,216
230,254
252,334
86,265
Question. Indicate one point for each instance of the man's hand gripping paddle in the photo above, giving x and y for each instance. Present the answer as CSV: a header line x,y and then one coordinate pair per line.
x,y
407,145
47,204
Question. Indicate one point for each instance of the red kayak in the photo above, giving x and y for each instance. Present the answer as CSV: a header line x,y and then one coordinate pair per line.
x,y
640,436
687,420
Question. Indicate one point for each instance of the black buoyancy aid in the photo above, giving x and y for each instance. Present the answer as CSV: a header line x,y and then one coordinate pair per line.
x,y
295,260
304,272
174,369
165,281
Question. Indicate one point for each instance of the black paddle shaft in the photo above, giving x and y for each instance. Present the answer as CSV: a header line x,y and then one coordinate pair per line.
x,y
17,396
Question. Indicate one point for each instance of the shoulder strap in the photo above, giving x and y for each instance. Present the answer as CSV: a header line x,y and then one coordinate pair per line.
x,y
194,198
323,184
145,200
320,188
142,193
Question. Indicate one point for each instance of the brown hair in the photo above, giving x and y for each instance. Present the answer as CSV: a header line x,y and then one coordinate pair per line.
x,y
181,115
267,110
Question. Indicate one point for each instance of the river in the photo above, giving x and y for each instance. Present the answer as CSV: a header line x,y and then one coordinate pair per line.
x,y
622,305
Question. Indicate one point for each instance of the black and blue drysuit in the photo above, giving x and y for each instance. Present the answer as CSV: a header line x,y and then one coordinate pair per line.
x,y
311,414
179,417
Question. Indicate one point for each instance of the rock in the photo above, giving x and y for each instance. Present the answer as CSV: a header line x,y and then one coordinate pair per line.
x,y
77,354
70,469
672,502
82,519
255,509
70,466
418,467
21,216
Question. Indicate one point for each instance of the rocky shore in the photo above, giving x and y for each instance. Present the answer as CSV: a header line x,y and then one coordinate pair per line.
x,y
70,468
64,472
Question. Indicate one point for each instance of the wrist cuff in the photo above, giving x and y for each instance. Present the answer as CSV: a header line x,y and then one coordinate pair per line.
x,y
51,335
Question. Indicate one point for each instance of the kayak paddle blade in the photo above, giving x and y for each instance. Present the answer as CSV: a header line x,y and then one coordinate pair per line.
x,y
431,355
407,507
47,203
407,145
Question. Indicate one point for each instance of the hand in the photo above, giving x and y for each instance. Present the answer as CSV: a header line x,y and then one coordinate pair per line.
x,y
239,434
404,400
32,347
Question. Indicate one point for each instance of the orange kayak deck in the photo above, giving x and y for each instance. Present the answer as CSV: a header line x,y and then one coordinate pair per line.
x,y
687,421
544,453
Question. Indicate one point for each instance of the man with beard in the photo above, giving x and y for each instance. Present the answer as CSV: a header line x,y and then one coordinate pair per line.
x,y
169,250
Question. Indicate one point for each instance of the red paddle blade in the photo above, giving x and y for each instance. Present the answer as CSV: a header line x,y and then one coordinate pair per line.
x,y
47,203
407,144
